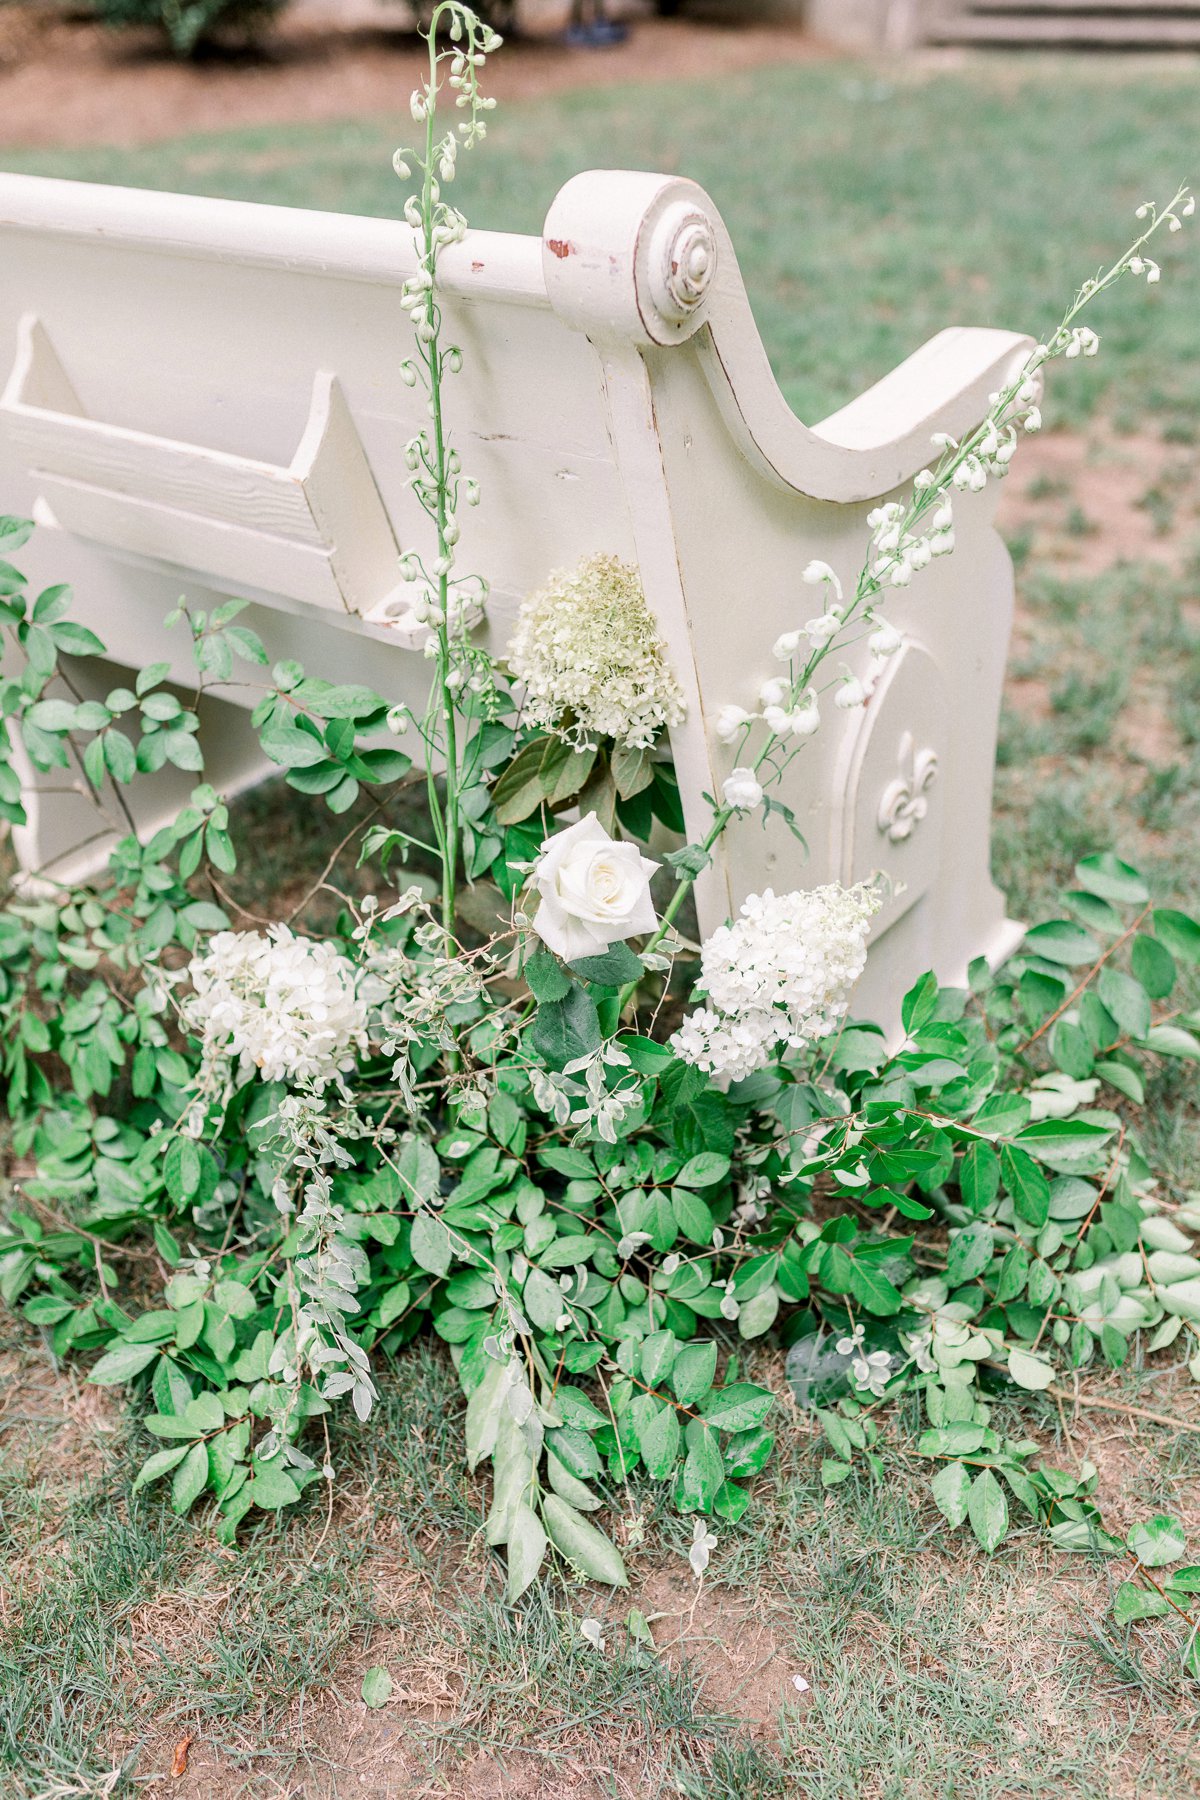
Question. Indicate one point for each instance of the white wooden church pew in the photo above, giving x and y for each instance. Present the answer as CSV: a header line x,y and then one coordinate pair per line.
x,y
203,397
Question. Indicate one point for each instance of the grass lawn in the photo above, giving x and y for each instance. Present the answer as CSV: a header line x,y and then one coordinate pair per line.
x,y
867,214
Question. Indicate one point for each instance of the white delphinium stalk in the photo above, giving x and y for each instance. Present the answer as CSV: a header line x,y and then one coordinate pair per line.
x,y
905,538
779,978
444,601
287,1008
742,790
589,654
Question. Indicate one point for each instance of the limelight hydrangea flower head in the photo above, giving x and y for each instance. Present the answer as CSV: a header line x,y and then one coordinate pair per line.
x,y
287,1007
586,646
778,979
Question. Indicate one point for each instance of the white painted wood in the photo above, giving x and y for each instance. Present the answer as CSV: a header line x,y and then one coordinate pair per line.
x,y
205,397
315,530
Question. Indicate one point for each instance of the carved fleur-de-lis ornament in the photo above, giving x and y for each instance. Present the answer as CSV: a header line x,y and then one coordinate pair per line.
x,y
904,801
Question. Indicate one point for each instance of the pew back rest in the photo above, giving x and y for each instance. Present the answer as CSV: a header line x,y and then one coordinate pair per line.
x,y
205,396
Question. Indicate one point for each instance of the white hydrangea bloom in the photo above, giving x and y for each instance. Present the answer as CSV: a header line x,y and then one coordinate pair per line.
x,y
778,978
286,1006
587,645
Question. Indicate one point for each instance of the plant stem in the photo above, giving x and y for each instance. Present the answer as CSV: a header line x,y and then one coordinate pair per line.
x,y
433,363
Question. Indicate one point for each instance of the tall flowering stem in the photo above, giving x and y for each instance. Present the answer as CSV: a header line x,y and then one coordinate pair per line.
x,y
444,599
906,536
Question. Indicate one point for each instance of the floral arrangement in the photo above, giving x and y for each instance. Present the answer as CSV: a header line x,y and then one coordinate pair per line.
x,y
597,1189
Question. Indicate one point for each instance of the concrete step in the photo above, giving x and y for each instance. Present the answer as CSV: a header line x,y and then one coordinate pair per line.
x,y
1141,30
1036,9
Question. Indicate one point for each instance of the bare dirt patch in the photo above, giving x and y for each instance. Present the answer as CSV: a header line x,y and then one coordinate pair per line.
x,y
1079,508
730,1640
1094,502
73,83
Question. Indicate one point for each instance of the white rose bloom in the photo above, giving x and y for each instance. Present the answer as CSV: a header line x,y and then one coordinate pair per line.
x,y
594,892
742,790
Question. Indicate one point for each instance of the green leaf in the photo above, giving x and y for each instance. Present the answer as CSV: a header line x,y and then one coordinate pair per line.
x,y
979,1176
740,1407
659,1440
526,1548
659,1351
1153,965
190,1479
918,1005
160,1463
1068,1146
518,790
181,1168
547,979
272,1487
1071,1049
53,715
1127,1001
692,1374
122,1363
692,1216
1111,879
987,1510
575,1450
542,1299
293,748
568,1252
703,1474
1097,914
575,1492
970,1253
1062,941
748,1452
585,1548
430,1243
1157,1542
1029,1371
873,1290
1127,1080
614,968
1172,1040
703,1170
376,1687
1178,932
1027,1183
759,1313
204,1413
119,755
951,1488
1132,1602
633,769
419,1171
563,1030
